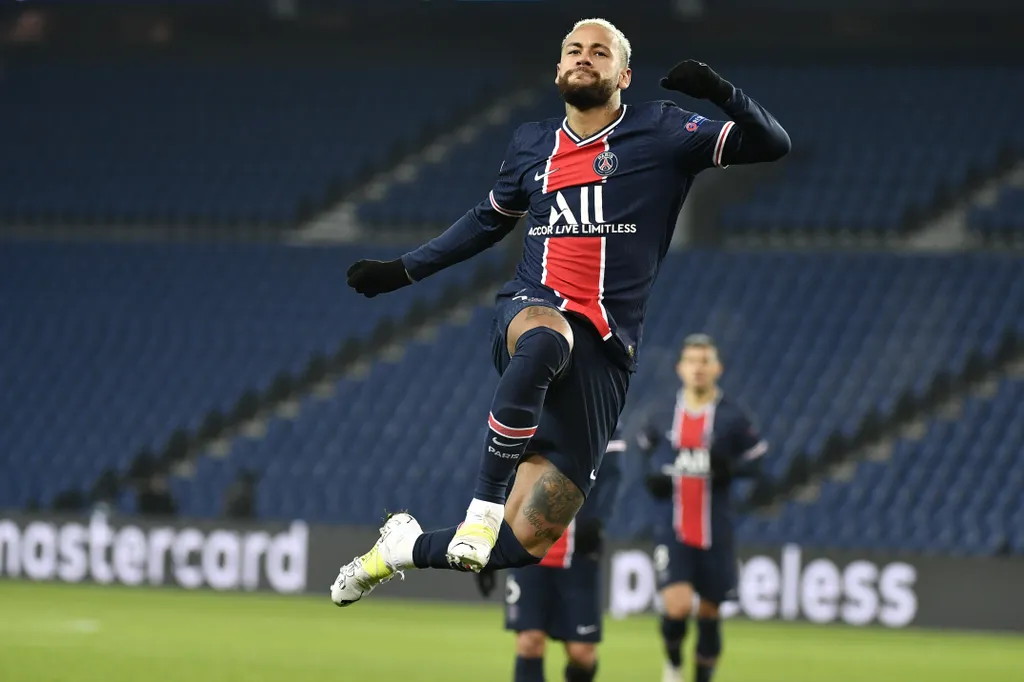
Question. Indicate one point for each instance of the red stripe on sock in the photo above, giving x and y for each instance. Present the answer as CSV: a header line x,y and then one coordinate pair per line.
x,y
508,431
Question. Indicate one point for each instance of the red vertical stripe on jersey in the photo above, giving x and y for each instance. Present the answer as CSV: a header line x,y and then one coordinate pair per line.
x,y
560,554
572,166
574,268
692,493
689,430
693,511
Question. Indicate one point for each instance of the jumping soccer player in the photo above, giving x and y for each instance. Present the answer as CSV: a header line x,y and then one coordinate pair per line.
x,y
711,441
560,597
601,190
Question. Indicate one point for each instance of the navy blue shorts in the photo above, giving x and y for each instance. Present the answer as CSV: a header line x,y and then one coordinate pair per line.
x,y
711,572
583,404
565,603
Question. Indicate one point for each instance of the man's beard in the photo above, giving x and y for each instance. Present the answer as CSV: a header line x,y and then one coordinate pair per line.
x,y
584,96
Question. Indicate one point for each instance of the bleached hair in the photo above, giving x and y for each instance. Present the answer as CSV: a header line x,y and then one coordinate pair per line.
x,y
625,50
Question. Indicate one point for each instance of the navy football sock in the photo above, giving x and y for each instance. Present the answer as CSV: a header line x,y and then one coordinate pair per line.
x,y
541,353
529,670
574,674
709,647
673,632
431,550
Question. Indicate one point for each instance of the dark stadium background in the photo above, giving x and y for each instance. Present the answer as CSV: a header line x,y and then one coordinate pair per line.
x,y
192,398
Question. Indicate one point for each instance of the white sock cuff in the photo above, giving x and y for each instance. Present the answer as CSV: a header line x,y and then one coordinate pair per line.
x,y
489,510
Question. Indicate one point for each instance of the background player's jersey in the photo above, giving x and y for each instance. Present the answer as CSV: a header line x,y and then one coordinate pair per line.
x,y
702,452
599,504
600,212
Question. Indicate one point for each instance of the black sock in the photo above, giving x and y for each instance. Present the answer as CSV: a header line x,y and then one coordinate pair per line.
x,y
529,670
673,632
541,353
431,550
709,648
574,674
703,673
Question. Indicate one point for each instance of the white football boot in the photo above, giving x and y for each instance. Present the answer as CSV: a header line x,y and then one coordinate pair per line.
x,y
475,537
387,558
672,674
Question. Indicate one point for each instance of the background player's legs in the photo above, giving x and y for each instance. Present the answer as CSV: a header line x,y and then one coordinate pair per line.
x,y
539,508
677,599
581,665
530,655
709,640
539,342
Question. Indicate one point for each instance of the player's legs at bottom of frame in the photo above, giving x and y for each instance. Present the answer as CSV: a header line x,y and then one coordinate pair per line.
x,y
678,605
581,658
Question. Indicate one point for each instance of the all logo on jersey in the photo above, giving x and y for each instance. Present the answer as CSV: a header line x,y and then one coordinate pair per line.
x,y
690,462
606,163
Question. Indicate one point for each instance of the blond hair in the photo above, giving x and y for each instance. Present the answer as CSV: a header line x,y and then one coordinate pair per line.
x,y
625,50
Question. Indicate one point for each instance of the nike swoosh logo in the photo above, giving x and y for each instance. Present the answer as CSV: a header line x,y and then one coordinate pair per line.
x,y
501,444
540,176
581,630
593,475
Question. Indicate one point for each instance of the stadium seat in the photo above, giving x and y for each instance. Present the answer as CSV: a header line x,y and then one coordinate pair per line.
x,y
109,348
1004,219
956,490
170,142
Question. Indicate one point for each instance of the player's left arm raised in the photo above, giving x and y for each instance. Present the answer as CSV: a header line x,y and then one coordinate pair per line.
x,y
752,136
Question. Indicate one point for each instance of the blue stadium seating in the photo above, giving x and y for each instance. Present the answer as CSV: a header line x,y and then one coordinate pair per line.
x,y
813,343
955,491
171,142
872,144
1004,219
108,348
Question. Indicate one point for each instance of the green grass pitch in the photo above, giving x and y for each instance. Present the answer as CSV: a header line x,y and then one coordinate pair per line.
x,y
61,633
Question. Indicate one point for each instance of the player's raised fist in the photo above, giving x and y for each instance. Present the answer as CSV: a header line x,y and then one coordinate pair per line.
x,y
372,277
697,80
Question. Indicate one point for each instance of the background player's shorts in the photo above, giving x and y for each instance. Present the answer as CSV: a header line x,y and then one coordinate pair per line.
x,y
563,602
712,572
583,405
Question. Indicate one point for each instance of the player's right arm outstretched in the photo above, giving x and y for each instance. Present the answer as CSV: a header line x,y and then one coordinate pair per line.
x,y
482,227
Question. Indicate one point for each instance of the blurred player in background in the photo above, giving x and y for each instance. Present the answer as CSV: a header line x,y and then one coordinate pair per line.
x,y
560,597
710,440
601,190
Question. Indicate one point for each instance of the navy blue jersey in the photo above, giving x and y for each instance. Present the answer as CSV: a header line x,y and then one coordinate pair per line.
x,y
702,452
599,504
600,211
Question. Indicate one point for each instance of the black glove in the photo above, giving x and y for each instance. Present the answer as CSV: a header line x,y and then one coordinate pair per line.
x,y
372,277
721,468
485,582
659,485
589,536
698,80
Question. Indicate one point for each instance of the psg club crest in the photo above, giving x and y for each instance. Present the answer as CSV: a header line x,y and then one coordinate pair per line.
x,y
606,163
691,126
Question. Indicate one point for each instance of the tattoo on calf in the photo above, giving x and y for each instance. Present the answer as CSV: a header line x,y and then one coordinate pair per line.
x,y
553,503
